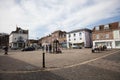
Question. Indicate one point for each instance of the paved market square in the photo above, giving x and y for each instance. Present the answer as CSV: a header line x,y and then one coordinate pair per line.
x,y
70,61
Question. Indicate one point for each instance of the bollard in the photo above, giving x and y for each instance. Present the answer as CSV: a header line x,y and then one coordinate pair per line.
x,y
43,60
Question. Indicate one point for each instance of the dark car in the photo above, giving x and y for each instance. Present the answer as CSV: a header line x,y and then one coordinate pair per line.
x,y
28,49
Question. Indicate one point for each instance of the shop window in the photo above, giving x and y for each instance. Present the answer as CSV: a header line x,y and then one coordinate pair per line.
x,y
117,43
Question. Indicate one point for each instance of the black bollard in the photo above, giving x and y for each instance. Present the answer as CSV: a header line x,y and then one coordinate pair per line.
x,y
43,60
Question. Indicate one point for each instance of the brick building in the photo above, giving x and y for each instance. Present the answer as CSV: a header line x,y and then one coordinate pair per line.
x,y
45,40
108,34
33,43
59,35
4,40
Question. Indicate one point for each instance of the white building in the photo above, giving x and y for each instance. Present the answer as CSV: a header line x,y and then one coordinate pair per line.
x,y
79,38
18,38
116,37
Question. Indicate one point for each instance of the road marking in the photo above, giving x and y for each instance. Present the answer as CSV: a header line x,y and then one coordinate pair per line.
x,y
85,62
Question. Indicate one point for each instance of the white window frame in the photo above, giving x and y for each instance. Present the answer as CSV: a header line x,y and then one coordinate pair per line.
x,y
106,26
97,28
106,36
80,34
97,36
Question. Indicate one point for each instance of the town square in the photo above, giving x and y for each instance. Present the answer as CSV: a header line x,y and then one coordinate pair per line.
x,y
59,40
71,64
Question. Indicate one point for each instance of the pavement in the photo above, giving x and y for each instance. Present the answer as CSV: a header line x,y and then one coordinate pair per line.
x,y
77,64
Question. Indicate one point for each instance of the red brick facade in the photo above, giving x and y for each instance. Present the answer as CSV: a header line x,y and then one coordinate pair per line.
x,y
102,32
59,35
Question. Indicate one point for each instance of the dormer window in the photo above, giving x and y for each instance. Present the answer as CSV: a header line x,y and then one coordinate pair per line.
x,y
97,28
106,27
20,31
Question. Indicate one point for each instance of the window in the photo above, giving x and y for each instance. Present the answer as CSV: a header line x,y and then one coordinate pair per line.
x,y
20,31
80,34
74,34
20,39
107,36
116,34
106,27
97,36
69,39
64,35
69,35
117,43
97,28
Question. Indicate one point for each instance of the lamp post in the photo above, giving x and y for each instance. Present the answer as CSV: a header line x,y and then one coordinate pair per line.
x,y
43,59
43,63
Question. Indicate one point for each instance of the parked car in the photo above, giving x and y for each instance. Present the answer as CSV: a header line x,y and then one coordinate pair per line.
x,y
76,47
28,49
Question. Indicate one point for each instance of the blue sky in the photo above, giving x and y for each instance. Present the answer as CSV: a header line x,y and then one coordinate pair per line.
x,y
42,17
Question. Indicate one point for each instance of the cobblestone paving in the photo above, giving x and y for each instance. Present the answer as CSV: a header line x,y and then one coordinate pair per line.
x,y
107,68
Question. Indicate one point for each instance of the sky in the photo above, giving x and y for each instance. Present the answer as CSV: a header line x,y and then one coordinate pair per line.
x,y
42,17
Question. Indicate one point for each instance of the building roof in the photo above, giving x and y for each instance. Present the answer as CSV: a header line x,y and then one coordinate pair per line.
x,y
58,31
112,26
78,30
4,34
18,29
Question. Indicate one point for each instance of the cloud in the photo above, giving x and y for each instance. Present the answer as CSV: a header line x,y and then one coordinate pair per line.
x,y
42,17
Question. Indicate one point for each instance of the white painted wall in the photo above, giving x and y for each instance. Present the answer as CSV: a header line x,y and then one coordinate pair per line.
x,y
85,37
14,37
